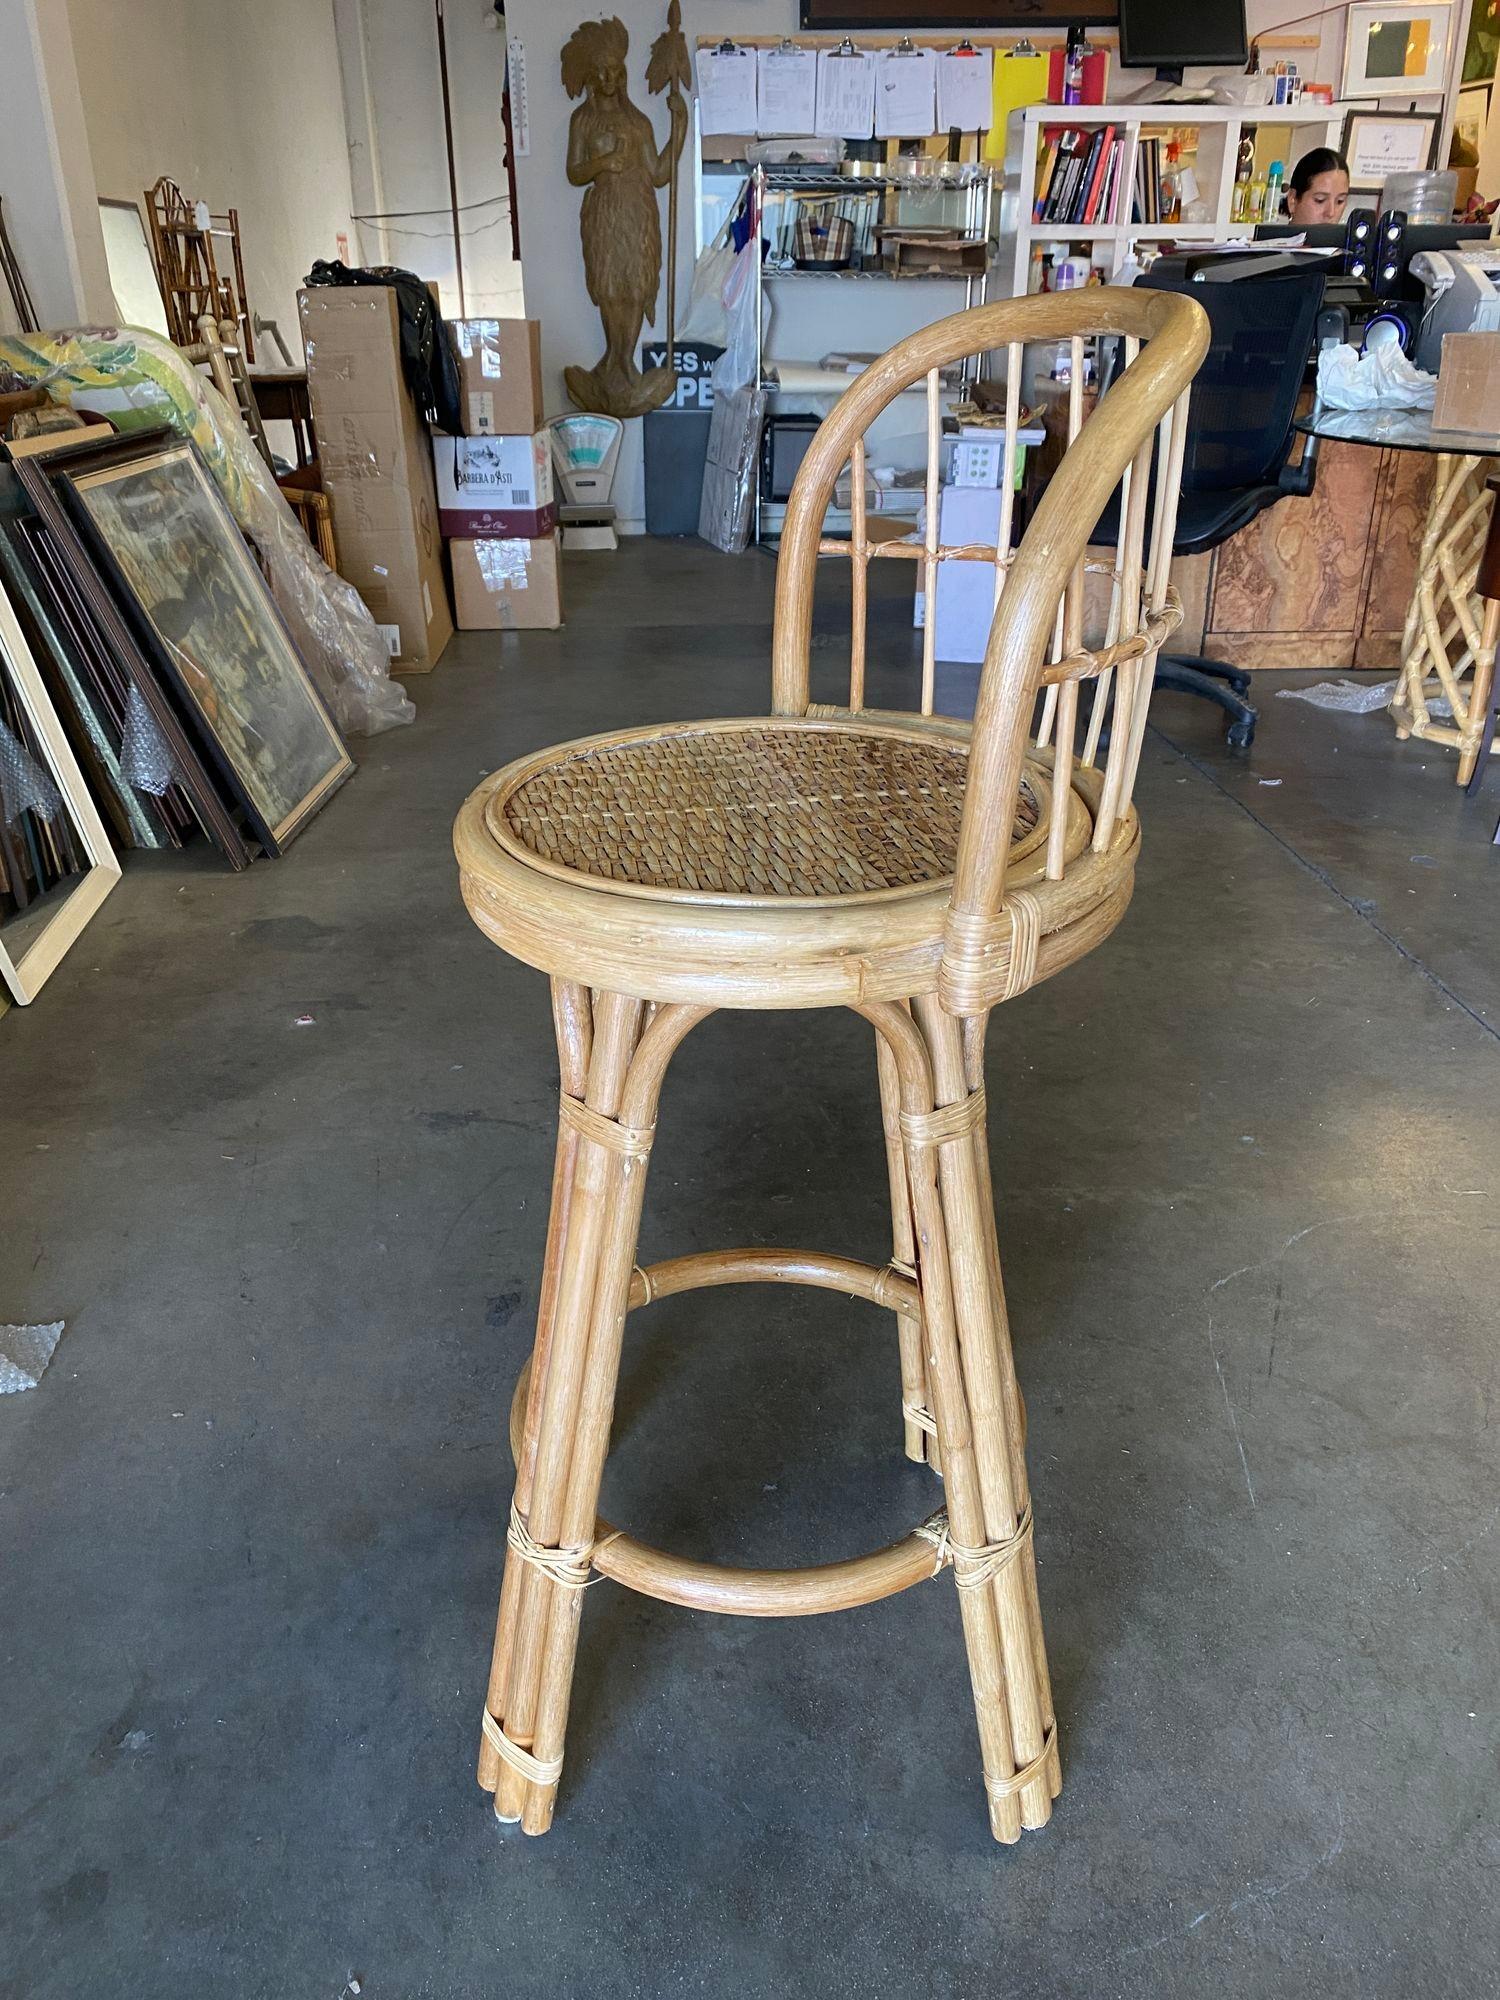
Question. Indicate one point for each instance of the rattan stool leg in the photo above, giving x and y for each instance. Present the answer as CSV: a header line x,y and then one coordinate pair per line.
x,y
988,1521
557,1381
572,1011
974,1030
921,1437
625,1193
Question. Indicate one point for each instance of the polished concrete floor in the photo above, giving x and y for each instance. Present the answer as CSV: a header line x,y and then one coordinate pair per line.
x,y
1248,1157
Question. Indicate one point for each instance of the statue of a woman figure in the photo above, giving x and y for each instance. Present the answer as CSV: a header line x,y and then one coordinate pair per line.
x,y
612,152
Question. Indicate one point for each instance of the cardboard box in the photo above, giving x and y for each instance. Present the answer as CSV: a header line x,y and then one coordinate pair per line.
x,y
1468,390
495,486
376,459
507,585
500,361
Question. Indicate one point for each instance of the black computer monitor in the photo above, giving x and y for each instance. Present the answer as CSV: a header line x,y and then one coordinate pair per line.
x,y
1168,36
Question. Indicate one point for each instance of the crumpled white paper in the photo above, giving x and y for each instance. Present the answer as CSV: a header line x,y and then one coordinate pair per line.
x,y
24,1354
1383,379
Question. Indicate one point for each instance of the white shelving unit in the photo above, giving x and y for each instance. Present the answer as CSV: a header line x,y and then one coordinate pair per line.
x,y
1282,131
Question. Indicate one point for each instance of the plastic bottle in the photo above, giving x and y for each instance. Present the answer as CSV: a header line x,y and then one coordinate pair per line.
x,y
1270,208
1244,173
1171,184
1073,67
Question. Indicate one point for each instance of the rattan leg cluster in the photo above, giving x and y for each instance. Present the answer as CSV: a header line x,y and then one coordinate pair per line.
x,y
959,1393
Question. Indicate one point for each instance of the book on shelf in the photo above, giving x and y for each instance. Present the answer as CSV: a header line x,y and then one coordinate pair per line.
x,y
1077,174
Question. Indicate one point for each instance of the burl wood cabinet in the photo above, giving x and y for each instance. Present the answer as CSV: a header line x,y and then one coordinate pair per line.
x,y
1321,582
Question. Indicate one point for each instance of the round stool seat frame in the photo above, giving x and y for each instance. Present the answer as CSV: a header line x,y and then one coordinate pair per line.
x,y
916,869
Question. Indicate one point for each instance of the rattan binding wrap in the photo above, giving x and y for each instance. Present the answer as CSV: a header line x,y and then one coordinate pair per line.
x,y
754,812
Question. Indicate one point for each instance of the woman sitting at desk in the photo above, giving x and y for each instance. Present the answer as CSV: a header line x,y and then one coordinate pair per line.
x,y
1319,188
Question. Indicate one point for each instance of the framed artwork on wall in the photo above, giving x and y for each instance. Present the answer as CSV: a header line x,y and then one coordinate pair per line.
x,y
1469,121
1483,45
1396,51
1378,143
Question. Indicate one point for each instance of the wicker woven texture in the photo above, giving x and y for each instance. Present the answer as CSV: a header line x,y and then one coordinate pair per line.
x,y
753,812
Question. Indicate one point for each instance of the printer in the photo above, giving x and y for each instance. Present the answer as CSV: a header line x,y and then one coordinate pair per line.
x,y
1463,296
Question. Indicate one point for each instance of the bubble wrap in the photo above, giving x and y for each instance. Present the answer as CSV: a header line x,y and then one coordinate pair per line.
x,y
145,759
24,785
138,379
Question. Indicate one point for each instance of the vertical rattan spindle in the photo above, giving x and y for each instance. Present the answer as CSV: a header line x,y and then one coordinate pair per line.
x,y
920,1447
859,575
1130,572
1117,602
930,545
1014,363
1171,444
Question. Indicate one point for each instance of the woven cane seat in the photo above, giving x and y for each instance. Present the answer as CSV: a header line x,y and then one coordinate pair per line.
x,y
756,809
776,861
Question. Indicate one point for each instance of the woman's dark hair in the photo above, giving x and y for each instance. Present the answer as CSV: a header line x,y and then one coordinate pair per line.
x,y
1321,160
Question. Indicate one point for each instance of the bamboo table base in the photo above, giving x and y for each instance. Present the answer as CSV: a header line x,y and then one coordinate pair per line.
x,y
961,1404
1448,647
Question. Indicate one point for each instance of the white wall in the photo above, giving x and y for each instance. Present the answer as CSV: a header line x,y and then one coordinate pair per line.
x,y
397,157
239,102
51,209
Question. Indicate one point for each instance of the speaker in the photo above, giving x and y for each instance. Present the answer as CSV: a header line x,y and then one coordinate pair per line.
x,y
1359,244
1393,324
1390,253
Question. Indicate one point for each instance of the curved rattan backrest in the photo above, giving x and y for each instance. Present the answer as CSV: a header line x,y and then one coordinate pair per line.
x,y
1043,598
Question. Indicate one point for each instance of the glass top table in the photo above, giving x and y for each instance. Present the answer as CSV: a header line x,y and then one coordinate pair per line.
x,y
1397,430
1448,646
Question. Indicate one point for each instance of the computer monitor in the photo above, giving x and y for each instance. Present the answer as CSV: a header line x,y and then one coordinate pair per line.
x,y
1169,36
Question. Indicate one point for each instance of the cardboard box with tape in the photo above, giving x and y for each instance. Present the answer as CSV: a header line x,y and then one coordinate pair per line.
x,y
495,486
500,361
376,460
507,584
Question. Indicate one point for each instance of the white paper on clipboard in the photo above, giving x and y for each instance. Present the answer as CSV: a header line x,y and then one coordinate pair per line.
x,y
726,90
846,95
964,87
904,94
788,92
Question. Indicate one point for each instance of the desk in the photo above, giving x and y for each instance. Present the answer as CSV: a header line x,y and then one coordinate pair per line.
x,y
281,397
1443,639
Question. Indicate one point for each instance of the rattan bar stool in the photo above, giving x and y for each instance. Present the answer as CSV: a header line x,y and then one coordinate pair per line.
x,y
905,866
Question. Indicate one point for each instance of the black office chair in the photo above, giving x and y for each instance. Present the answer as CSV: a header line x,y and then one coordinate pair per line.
x,y
1239,439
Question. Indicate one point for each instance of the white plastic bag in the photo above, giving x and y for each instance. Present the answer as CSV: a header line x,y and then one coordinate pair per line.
x,y
706,319
1383,379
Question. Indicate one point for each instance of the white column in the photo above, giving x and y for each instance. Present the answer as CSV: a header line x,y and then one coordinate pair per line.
x,y
46,174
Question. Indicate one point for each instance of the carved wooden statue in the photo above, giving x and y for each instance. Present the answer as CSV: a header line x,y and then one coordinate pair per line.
x,y
612,152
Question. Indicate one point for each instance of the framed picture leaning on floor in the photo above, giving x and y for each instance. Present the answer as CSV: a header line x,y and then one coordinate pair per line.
x,y
56,863
165,538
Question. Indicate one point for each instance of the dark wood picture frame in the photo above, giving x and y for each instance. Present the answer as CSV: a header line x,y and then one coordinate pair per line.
x,y
78,478
101,610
